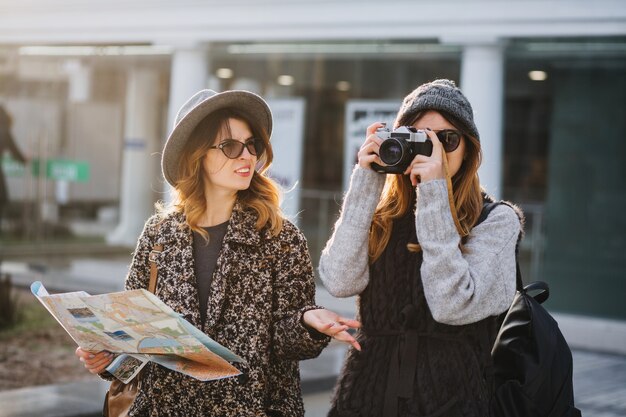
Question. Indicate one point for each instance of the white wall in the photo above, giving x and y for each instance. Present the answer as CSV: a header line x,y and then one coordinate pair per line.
x,y
163,22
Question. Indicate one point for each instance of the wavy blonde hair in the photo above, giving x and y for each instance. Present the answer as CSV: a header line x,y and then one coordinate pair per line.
x,y
263,196
399,194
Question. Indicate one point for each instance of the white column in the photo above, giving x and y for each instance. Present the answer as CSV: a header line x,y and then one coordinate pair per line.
x,y
189,74
79,77
243,83
140,140
79,91
482,81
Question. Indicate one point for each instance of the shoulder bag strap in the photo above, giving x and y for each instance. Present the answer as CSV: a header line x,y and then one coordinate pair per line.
x,y
154,269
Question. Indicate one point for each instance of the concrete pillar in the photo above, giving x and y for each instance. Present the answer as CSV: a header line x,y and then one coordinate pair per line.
x,y
141,138
243,83
482,81
189,74
79,91
79,77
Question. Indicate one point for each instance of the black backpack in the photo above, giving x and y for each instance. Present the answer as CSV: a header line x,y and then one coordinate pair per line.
x,y
532,362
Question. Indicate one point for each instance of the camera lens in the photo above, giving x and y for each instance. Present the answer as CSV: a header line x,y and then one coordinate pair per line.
x,y
392,151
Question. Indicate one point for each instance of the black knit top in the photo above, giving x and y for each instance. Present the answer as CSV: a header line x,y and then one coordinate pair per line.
x,y
411,365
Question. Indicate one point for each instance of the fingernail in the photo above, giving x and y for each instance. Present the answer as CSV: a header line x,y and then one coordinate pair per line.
x,y
92,356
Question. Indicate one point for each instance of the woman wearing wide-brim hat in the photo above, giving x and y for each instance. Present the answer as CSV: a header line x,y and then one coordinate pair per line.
x,y
231,264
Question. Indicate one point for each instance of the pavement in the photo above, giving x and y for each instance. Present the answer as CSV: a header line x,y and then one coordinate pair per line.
x,y
599,377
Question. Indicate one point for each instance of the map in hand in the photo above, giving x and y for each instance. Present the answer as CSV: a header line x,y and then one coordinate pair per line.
x,y
140,325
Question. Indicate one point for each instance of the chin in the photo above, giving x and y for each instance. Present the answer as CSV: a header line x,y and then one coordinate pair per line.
x,y
242,187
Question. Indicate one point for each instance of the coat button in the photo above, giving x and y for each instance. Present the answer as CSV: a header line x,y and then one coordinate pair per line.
x,y
243,378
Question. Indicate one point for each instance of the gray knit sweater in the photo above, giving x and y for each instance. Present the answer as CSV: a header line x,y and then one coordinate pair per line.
x,y
460,288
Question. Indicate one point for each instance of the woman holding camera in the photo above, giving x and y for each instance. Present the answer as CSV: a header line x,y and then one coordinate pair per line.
x,y
430,284
231,265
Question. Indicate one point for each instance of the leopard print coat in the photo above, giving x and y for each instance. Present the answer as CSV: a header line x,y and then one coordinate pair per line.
x,y
261,287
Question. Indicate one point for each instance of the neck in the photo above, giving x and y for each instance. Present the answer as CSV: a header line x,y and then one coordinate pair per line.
x,y
219,207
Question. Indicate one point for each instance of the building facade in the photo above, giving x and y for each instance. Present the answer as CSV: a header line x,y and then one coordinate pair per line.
x,y
101,83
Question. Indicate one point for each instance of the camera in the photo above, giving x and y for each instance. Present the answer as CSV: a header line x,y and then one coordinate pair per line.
x,y
399,147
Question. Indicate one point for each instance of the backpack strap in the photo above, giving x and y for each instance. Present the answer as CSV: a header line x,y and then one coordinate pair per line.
x,y
519,284
487,208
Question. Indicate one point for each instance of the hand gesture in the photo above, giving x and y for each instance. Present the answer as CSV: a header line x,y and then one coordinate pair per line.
x,y
333,325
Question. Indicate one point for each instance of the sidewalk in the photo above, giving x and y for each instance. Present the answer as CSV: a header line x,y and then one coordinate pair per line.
x,y
599,378
85,398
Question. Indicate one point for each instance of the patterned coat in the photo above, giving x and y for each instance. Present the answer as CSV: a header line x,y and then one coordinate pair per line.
x,y
260,289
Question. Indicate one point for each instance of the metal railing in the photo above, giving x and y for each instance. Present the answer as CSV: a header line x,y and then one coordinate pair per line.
x,y
319,209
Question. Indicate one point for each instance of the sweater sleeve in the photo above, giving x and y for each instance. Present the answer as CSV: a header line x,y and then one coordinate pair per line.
x,y
344,263
463,287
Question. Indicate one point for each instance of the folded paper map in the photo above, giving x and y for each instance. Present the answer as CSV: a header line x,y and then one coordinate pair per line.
x,y
140,328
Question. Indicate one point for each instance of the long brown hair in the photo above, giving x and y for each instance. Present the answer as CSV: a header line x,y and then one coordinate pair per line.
x,y
399,194
263,196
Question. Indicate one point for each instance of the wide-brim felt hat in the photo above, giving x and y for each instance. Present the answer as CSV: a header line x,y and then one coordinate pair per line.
x,y
202,104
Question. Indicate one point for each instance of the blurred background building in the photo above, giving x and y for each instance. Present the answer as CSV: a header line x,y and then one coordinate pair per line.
x,y
93,88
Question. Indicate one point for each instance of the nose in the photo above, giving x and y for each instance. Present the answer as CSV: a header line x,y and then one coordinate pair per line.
x,y
245,153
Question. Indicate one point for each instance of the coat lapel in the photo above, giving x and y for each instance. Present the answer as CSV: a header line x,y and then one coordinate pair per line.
x,y
241,237
177,258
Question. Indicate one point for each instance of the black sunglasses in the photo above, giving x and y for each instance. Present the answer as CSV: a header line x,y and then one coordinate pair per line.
x,y
233,149
449,138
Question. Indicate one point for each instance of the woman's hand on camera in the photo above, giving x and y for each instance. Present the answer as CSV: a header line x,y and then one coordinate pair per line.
x,y
369,150
332,324
94,362
426,168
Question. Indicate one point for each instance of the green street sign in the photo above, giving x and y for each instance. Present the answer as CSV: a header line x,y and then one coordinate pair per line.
x,y
12,168
55,169
65,170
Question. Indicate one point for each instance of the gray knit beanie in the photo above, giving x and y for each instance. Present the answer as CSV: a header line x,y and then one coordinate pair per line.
x,y
441,95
